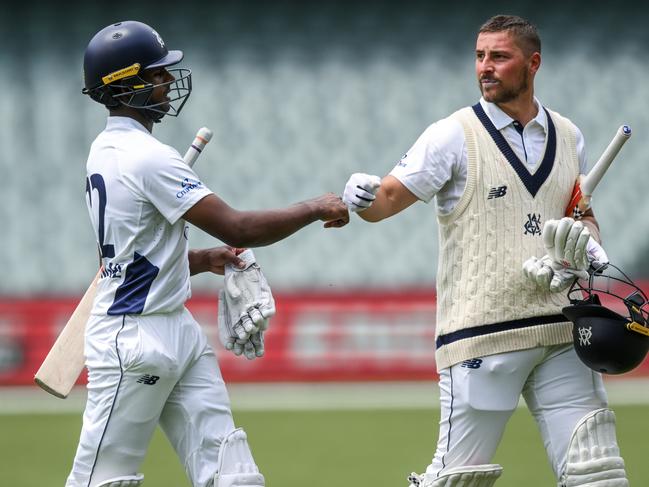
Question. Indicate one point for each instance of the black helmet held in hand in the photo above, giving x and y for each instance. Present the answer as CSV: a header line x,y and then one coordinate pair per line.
x,y
611,321
115,60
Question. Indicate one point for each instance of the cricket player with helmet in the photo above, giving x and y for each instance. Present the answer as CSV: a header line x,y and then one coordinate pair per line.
x,y
148,360
502,172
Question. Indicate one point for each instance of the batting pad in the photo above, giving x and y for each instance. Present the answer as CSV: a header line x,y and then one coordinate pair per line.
x,y
469,476
236,465
126,481
593,455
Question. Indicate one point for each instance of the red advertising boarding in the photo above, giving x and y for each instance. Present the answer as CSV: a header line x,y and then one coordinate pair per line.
x,y
315,336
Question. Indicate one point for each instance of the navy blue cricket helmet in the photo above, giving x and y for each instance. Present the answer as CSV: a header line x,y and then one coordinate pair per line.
x,y
610,316
114,61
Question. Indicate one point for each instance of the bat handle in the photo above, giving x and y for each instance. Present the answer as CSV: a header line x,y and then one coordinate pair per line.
x,y
201,139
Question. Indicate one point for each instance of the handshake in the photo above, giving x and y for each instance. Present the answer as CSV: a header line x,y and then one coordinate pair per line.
x,y
570,253
245,308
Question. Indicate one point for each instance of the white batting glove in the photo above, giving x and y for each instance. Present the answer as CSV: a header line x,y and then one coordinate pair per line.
x,y
360,191
563,277
539,271
248,296
572,251
227,336
251,347
565,241
596,254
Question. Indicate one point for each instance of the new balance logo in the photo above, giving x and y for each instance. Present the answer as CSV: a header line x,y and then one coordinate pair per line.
x,y
497,192
473,363
147,379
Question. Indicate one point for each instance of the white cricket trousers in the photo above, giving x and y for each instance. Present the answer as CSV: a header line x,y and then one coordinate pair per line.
x,y
145,370
479,396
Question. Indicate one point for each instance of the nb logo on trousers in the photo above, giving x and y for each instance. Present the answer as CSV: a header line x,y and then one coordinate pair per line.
x,y
473,363
147,379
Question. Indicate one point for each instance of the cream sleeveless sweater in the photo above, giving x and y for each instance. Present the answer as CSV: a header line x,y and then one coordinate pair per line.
x,y
484,304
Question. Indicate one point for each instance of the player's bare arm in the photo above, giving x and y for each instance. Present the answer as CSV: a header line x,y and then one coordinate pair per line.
x,y
258,228
213,260
391,198
590,222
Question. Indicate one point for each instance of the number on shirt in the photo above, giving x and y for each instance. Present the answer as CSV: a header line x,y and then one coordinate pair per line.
x,y
96,182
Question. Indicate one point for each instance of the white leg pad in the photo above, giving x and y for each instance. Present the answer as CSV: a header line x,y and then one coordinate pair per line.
x,y
468,476
236,465
593,455
126,481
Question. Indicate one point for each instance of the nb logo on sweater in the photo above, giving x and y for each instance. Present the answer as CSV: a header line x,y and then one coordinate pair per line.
x,y
147,379
497,192
473,363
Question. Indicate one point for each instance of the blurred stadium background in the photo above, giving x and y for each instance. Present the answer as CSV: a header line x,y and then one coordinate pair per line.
x,y
300,95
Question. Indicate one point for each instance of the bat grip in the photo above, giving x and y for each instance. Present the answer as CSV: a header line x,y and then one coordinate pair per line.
x,y
201,139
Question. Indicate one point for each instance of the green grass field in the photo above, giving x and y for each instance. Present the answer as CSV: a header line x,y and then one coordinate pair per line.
x,y
312,448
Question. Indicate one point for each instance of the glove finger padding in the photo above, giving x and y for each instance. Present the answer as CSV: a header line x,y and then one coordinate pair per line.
x,y
549,232
563,278
539,271
575,245
256,317
566,242
562,230
226,332
581,250
257,341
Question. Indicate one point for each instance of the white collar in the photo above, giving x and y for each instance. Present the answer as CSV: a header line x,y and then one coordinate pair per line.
x,y
113,123
500,119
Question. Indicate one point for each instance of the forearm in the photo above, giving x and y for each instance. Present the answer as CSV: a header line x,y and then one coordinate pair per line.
x,y
391,198
260,228
198,261
591,224
380,209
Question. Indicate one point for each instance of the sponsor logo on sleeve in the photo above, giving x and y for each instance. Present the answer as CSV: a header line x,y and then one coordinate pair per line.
x,y
187,185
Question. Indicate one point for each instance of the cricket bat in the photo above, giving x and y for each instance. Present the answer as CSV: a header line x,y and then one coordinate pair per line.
x,y
584,187
65,361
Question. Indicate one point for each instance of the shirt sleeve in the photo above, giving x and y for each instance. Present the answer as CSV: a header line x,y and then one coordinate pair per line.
x,y
170,184
433,159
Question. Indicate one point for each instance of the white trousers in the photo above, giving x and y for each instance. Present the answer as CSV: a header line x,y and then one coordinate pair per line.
x,y
479,396
144,371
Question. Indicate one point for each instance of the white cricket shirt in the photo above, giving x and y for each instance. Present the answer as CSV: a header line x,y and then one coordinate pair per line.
x,y
137,189
436,164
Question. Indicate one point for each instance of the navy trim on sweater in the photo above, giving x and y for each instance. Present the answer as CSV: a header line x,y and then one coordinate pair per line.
x,y
496,328
532,182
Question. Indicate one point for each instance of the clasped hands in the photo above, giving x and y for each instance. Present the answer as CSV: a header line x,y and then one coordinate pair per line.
x,y
246,305
570,252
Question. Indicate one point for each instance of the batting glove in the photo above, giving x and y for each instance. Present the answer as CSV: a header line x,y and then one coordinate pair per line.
x,y
251,347
565,241
360,191
539,271
247,304
572,251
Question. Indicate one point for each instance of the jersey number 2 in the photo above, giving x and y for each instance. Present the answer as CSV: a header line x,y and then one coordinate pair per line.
x,y
96,182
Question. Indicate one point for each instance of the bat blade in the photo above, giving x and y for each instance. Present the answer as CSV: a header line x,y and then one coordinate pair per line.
x,y
584,187
65,361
